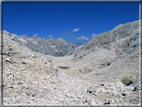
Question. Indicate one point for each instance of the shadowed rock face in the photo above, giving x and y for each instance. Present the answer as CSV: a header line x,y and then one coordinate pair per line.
x,y
126,81
55,47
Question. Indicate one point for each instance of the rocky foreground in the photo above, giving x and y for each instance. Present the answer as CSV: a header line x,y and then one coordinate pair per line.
x,y
100,73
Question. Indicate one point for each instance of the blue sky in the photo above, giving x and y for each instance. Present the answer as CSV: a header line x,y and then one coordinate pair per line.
x,y
70,21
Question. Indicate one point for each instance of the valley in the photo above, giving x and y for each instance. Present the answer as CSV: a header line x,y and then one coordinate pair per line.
x,y
101,72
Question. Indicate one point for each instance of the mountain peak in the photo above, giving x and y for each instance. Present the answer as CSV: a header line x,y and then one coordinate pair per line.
x,y
34,37
24,36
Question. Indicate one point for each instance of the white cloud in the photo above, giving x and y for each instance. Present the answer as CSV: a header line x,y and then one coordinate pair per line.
x,y
83,38
93,35
35,34
50,36
75,30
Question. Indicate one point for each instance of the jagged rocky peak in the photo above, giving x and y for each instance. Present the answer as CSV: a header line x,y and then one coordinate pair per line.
x,y
52,39
34,37
62,40
24,36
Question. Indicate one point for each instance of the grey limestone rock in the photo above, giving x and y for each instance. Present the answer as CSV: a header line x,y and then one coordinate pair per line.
x,y
105,71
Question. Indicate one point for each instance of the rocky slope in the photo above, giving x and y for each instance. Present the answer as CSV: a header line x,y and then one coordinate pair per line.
x,y
116,50
55,47
111,57
102,72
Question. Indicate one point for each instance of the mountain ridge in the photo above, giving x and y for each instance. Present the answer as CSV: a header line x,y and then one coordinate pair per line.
x,y
55,47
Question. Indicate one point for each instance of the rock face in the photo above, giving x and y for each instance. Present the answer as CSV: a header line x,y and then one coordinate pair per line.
x,y
55,47
101,72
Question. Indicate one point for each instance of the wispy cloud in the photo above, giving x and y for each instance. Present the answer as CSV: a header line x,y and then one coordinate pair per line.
x,y
93,35
70,33
75,30
50,36
82,38
35,34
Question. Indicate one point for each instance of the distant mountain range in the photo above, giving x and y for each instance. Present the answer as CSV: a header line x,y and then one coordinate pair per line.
x,y
79,43
54,47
